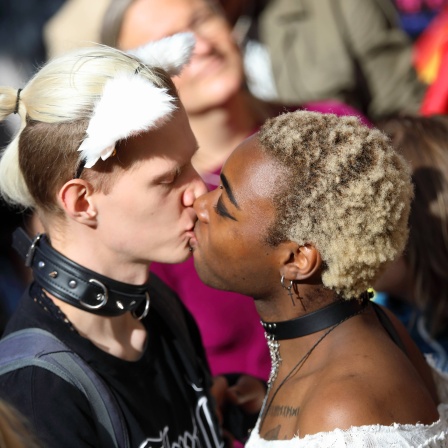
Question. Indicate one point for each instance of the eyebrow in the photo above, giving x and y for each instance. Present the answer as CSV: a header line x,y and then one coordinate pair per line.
x,y
226,185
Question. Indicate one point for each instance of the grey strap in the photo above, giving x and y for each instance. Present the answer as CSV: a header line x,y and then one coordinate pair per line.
x,y
36,347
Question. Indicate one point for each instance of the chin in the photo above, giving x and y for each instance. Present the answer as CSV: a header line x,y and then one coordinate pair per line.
x,y
208,278
181,257
174,258
225,88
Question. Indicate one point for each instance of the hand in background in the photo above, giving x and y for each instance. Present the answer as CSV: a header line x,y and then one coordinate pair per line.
x,y
238,401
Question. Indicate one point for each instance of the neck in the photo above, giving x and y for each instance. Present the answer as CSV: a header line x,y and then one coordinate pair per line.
x,y
221,129
77,285
84,247
280,307
301,330
321,319
121,336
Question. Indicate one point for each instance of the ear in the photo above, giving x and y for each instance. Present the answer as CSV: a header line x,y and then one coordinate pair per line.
x,y
301,263
75,198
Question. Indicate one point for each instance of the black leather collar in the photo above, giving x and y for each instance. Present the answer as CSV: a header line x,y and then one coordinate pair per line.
x,y
317,320
76,285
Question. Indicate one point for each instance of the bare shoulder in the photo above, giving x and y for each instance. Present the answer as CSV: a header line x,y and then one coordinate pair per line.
x,y
357,396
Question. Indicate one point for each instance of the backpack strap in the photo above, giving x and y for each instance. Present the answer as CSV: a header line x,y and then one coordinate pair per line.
x,y
37,347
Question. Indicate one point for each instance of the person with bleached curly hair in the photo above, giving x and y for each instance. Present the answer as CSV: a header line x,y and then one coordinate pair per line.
x,y
309,211
99,353
344,176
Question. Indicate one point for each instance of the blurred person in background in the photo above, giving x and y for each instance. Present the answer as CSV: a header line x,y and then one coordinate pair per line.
x,y
415,286
350,50
297,51
22,50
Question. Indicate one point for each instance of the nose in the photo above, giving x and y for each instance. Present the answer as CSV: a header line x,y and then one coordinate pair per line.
x,y
201,206
195,188
203,45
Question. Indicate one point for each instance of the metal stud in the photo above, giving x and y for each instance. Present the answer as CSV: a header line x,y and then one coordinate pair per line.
x,y
41,264
120,305
53,274
72,284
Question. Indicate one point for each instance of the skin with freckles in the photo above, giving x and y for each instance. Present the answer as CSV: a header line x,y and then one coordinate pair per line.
x,y
356,359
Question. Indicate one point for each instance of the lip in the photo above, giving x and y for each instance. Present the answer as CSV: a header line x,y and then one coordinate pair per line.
x,y
193,242
193,238
190,233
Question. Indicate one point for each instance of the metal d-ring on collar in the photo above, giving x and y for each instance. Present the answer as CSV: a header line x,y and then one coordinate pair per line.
x,y
77,285
145,311
102,298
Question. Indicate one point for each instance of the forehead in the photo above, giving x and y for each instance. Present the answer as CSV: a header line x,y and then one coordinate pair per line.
x,y
147,20
252,173
172,144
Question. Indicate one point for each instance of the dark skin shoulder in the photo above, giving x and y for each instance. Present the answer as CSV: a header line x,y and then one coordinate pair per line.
x,y
357,377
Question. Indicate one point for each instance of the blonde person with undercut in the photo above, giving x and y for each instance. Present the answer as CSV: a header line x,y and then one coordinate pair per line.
x,y
99,353
308,213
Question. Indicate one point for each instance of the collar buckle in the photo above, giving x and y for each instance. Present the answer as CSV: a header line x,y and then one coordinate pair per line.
x,y
30,254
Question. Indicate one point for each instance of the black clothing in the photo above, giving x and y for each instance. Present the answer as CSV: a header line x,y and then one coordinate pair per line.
x,y
158,402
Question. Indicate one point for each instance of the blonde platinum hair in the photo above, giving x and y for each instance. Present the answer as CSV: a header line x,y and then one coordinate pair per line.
x,y
55,107
346,192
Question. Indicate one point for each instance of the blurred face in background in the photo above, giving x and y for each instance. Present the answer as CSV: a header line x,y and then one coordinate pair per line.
x,y
215,72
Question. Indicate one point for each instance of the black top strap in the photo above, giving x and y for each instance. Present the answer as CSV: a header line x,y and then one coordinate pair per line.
x,y
388,326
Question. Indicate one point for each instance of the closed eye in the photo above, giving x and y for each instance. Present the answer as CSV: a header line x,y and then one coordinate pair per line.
x,y
168,181
171,177
221,209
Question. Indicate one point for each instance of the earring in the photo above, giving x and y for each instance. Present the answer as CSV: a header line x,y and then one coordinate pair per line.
x,y
288,288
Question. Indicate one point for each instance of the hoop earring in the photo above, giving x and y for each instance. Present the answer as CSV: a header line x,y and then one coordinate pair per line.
x,y
288,288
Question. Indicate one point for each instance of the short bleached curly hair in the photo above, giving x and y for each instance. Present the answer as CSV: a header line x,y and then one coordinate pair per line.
x,y
347,193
